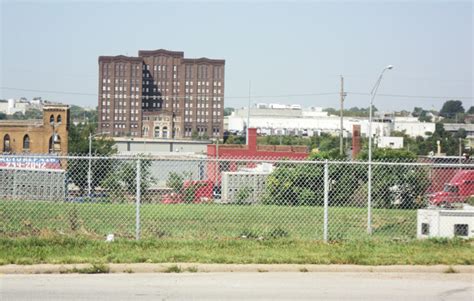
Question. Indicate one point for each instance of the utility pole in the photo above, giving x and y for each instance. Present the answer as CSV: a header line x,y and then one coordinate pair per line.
x,y
248,116
341,138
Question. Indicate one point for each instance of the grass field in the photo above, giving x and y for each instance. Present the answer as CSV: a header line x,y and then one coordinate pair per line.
x,y
199,221
365,252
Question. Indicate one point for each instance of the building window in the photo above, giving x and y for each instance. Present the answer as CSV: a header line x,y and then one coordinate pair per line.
x,y
26,143
461,230
54,144
425,229
6,144
51,119
157,132
59,119
165,132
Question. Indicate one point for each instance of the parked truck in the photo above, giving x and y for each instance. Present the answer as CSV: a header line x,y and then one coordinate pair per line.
x,y
459,189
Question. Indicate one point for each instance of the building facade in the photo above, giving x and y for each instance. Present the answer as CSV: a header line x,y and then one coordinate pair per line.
x,y
161,94
49,135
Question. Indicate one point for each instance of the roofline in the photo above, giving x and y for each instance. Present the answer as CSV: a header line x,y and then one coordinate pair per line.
x,y
160,51
203,60
120,58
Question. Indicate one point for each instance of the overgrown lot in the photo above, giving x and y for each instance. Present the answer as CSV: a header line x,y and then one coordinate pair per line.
x,y
200,221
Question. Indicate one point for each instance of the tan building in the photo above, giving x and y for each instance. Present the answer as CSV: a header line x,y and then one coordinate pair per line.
x,y
49,135
161,94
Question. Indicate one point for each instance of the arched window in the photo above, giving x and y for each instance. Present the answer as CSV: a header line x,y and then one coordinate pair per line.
x,y
6,144
59,119
26,143
157,132
54,144
145,131
51,119
165,132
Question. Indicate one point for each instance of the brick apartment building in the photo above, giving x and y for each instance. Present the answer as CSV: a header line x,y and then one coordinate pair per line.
x,y
161,94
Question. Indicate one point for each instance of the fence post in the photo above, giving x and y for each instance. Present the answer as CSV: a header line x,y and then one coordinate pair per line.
x,y
326,200
369,199
137,203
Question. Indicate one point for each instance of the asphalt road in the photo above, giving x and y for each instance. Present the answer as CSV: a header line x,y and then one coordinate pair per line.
x,y
239,286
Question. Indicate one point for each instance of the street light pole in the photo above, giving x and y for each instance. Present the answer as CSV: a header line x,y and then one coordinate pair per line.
x,y
248,116
369,182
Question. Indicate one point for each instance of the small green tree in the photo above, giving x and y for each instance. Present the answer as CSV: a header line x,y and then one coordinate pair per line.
x,y
175,181
194,135
243,195
122,180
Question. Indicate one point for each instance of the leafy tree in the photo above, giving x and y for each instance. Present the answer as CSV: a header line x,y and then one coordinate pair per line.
x,y
303,183
233,139
78,169
243,195
80,114
18,116
33,114
194,135
175,181
417,111
228,111
424,117
471,110
3,116
451,108
121,182
397,186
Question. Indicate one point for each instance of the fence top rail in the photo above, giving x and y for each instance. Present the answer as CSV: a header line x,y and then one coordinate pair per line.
x,y
203,158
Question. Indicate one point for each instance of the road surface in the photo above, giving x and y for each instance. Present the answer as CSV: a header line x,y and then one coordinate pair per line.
x,y
239,286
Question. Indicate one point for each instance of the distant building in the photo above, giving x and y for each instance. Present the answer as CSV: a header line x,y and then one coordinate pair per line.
x,y
161,94
252,151
287,120
49,135
12,106
390,142
453,128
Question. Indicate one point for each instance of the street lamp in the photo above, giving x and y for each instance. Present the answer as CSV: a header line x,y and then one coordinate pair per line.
x,y
89,172
369,183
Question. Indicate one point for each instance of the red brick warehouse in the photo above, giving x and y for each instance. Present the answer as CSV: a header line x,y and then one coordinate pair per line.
x,y
252,151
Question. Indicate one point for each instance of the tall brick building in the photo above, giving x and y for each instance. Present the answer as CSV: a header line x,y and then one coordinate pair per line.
x,y
161,94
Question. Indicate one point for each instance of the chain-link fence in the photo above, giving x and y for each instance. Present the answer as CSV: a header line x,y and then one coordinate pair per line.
x,y
202,198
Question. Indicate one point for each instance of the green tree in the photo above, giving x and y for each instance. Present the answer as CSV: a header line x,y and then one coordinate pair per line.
x,y
175,181
471,110
78,168
397,186
424,117
417,111
194,135
3,116
451,108
33,114
228,111
121,181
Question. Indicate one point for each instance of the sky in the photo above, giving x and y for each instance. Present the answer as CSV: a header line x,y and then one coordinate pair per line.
x,y
292,52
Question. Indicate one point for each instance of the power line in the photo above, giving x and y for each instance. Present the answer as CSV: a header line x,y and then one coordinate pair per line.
x,y
413,96
254,96
200,95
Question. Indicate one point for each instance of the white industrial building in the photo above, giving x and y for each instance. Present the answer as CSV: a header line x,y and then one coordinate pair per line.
x,y
284,120
13,106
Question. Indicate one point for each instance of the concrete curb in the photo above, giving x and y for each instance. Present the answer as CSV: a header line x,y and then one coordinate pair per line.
x,y
207,268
